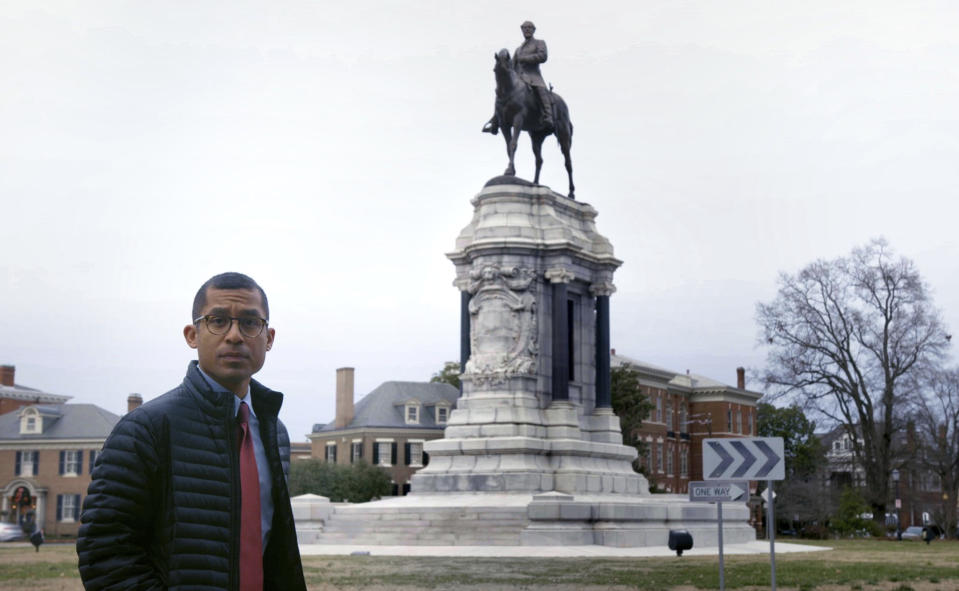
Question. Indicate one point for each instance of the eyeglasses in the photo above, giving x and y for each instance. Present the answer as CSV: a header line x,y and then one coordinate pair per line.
x,y
250,326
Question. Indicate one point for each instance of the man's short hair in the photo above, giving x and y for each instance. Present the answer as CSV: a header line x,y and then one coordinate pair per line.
x,y
229,280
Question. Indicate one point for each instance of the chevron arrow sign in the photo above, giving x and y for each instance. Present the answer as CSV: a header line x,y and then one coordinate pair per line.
x,y
749,458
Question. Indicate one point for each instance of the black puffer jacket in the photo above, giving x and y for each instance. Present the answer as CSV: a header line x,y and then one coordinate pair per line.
x,y
162,510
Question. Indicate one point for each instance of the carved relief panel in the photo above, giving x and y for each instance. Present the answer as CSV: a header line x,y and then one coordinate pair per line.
x,y
503,335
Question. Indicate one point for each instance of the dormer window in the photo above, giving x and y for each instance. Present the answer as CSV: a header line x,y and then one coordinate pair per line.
x,y
412,413
30,422
442,415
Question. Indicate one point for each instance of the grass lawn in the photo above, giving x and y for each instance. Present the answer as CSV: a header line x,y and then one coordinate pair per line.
x,y
853,565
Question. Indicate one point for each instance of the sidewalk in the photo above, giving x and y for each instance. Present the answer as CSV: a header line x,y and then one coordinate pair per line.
x,y
757,547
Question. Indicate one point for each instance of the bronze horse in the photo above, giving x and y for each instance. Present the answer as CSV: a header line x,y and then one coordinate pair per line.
x,y
518,110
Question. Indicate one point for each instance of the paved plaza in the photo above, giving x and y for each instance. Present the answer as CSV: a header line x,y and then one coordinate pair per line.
x,y
757,547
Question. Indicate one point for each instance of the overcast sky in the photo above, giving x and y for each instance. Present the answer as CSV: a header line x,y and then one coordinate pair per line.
x,y
330,150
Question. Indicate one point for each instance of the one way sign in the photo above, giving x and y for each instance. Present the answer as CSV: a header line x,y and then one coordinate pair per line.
x,y
752,458
719,491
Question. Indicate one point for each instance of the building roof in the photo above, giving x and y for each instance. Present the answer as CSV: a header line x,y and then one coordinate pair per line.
x,y
690,381
385,406
76,421
18,392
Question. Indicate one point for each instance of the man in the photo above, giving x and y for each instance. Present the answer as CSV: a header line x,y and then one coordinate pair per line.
x,y
189,491
526,61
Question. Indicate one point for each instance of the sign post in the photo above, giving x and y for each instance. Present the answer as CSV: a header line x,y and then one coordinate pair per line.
x,y
752,458
718,491
722,567
771,528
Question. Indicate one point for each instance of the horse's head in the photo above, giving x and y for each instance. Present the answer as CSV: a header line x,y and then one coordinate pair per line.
x,y
502,60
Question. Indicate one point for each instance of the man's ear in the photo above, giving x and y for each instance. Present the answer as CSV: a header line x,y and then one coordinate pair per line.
x,y
189,333
270,335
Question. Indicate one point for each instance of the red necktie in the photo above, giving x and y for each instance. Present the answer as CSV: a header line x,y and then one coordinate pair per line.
x,y
251,540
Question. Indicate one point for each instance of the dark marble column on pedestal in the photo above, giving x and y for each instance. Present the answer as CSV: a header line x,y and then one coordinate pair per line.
x,y
464,330
602,291
560,331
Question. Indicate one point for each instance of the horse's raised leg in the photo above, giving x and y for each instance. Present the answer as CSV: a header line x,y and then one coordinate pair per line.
x,y
510,149
511,146
537,139
565,137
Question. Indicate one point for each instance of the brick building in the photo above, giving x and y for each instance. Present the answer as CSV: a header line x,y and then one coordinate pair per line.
x,y
922,497
47,450
687,408
387,427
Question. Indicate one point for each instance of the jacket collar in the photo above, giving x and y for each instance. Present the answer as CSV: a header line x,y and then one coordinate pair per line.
x,y
266,402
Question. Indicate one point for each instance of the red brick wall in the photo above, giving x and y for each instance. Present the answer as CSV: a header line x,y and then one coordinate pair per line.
x,y
48,477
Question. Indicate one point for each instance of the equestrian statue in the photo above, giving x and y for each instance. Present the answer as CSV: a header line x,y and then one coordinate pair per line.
x,y
524,103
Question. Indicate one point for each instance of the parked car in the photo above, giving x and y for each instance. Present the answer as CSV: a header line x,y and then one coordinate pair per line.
x,y
913,532
789,532
10,531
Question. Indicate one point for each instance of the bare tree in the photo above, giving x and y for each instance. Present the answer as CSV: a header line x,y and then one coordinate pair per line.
x,y
844,336
937,419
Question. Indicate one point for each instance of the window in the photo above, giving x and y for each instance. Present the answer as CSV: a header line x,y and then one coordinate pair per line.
x,y
356,450
414,454
659,457
442,415
68,508
669,460
26,463
412,414
30,421
659,409
739,422
70,462
384,453
331,453
729,419
93,459
684,462
683,427
669,416
749,416
649,457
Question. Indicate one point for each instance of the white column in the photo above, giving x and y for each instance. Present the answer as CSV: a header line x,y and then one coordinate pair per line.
x,y
41,509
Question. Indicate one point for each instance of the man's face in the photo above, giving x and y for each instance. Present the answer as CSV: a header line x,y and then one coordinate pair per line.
x,y
230,358
528,30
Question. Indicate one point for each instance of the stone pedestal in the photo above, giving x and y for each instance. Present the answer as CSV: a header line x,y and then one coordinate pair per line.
x,y
533,265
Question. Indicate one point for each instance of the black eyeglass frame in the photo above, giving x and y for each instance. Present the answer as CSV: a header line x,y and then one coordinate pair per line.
x,y
263,323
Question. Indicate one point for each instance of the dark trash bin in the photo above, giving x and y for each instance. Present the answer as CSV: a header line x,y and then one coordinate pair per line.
x,y
679,540
36,538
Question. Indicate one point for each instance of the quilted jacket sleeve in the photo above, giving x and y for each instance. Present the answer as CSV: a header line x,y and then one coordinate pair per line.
x,y
116,542
283,442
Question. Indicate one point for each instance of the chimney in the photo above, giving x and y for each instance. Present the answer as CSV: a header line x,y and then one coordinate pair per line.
x,y
6,375
741,378
612,351
133,402
344,397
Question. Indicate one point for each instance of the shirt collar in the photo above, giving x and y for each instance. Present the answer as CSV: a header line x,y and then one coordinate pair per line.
x,y
217,387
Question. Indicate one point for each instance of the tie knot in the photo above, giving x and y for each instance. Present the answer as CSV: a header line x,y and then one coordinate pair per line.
x,y
243,415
